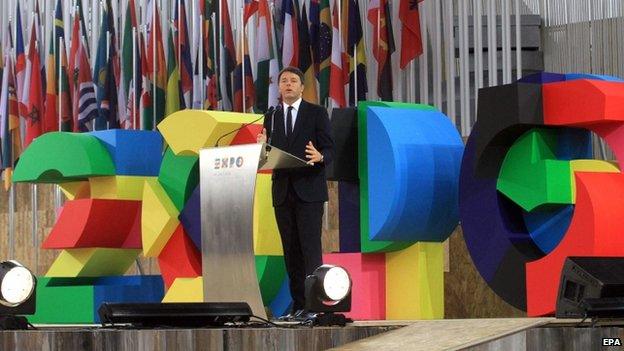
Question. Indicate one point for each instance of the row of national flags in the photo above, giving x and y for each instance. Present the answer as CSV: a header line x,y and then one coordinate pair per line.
x,y
133,83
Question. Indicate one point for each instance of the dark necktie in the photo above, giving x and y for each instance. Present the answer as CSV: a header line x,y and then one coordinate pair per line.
x,y
289,122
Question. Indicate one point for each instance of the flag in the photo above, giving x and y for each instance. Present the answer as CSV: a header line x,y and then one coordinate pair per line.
x,y
383,46
325,46
172,103
130,63
104,75
290,42
65,106
210,49
83,25
9,120
357,62
411,41
184,55
251,7
157,67
243,98
57,110
228,56
306,65
336,80
198,68
73,67
147,108
42,55
264,55
85,102
314,33
20,63
33,91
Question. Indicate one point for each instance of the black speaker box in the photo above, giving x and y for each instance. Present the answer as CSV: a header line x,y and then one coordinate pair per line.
x,y
193,314
345,133
591,286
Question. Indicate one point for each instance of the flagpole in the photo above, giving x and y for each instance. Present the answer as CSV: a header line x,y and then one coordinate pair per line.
x,y
106,78
378,45
215,56
179,33
153,32
58,58
134,80
11,206
242,48
201,62
355,75
58,78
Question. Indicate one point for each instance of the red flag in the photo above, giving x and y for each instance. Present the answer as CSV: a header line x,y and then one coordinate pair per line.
x,y
73,52
383,46
34,104
336,78
411,41
251,7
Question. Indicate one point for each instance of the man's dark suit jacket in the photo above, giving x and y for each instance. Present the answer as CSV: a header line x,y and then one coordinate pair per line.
x,y
312,124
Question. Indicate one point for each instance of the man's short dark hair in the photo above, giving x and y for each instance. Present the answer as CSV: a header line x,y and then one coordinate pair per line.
x,y
291,69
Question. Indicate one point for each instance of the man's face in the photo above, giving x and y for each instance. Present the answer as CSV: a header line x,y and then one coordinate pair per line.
x,y
290,87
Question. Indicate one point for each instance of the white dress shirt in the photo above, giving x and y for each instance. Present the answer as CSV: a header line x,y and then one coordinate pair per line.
x,y
294,111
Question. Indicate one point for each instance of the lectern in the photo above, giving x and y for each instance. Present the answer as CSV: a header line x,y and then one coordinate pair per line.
x,y
227,182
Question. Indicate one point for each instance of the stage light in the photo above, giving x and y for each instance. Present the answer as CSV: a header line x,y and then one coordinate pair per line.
x,y
17,295
328,290
591,287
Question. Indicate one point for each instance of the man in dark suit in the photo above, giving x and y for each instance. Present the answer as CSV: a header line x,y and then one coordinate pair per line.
x,y
302,129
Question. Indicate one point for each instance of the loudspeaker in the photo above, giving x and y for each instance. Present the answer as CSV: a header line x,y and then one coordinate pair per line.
x,y
591,287
345,133
193,314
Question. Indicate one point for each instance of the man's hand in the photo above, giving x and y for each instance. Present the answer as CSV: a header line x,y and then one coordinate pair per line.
x,y
262,138
312,154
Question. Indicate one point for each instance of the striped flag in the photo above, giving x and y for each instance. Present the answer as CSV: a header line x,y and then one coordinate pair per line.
x,y
85,104
20,63
336,85
290,43
251,7
264,56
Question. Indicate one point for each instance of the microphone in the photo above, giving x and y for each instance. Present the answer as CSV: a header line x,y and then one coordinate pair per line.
x,y
278,108
271,110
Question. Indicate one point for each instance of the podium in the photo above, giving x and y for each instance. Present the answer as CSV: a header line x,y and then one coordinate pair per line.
x,y
227,183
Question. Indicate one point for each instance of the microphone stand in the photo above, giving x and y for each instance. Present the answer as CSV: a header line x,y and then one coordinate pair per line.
x,y
279,107
239,128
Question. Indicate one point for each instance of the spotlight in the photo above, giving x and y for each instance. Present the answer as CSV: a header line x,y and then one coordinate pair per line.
x,y
17,295
591,287
328,290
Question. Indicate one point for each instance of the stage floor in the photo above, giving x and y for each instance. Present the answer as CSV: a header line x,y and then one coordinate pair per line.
x,y
460,334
